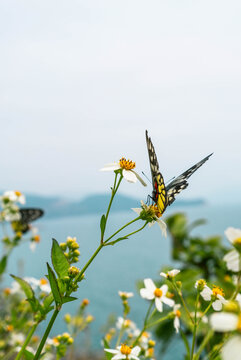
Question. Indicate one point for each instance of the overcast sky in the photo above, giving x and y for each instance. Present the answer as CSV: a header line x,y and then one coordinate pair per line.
x,y
80,81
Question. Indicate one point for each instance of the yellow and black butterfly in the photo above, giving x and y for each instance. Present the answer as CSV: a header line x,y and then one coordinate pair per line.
x,y
27,216
164,195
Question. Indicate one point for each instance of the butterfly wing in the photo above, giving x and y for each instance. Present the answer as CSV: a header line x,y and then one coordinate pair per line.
x,y
28,215
159,194
180,183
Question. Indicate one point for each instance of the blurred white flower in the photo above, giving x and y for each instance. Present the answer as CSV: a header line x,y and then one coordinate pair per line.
x,y
126,324
177,317
233,260
126,295
151,292
170,274
14,196
124,352
127,167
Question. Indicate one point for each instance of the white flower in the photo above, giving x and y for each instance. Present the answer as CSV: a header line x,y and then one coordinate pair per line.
x,y
14,196
126,324
233,235
232,349
215,293
151,292
224,321
150,211
125,295
125,352
233,260
170,274
17,339
41,284
177,316
127,167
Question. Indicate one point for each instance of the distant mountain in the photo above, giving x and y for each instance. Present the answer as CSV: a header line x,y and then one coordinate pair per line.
x,y
91,204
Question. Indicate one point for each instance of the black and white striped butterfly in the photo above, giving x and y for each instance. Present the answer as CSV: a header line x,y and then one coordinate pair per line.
x,y
164,195
27,215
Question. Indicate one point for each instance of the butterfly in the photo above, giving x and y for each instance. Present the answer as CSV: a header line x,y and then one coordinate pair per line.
x,y
164,195
27,215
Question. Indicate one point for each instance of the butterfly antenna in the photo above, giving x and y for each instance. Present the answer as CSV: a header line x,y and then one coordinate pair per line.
x,y
146,177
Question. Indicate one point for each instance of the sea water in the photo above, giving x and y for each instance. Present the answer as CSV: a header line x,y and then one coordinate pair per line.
x,y
115,267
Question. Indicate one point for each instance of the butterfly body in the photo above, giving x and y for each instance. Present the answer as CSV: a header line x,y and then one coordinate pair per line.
x,y
164,195
27,215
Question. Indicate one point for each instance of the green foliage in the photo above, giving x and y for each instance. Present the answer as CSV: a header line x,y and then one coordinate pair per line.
x,y
54,286
3,264
59,261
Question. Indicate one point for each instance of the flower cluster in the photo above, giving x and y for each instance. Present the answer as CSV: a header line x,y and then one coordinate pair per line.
x,y
10,209
70,248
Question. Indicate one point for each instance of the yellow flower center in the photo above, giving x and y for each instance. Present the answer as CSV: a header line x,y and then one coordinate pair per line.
x,y
145,334
9,328
18,193
55,341
178,313
239,323
158,293
127,322
150,352
155,210
43,281
217,291
237,241
125,350
36,238
127,164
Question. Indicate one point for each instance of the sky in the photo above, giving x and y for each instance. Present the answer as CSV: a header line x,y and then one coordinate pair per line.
x,y
81,81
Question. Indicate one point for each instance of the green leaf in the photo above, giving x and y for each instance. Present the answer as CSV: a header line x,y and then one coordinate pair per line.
x,y
25,287
102,225
117,240
54,286
3,263
59,261
68,299
47,302
28,355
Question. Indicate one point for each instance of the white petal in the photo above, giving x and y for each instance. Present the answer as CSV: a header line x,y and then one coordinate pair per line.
x,y
146,294
158,304
206,293
176,307
176,324
129,176
164,289
223,321
232,234
238,299
32,245
135,351
139,178
163,226
217,305
163,274
118,356
232,258
137,210
112,351
149,284
173,272
111,167
232,349
168,301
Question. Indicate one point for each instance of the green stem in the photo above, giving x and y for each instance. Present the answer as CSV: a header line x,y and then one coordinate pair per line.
x,y
183,302
114,191
195,326
123,227
121,331
158,321
203,344
25,344
145,324
204,313
88,263
46,334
